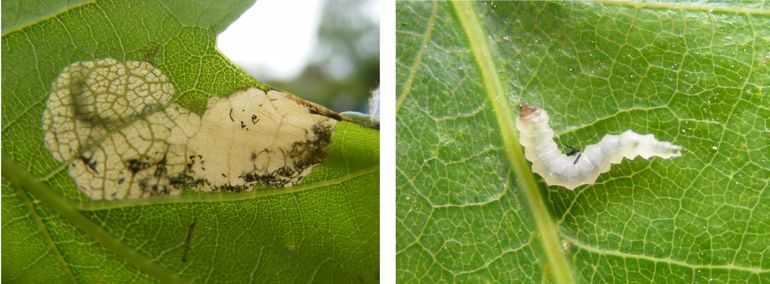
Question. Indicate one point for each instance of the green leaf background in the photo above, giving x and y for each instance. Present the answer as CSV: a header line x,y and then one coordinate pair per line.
x,y
325,229
696,74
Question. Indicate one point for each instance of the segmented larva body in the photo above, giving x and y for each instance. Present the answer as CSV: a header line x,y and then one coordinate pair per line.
x,y
558,168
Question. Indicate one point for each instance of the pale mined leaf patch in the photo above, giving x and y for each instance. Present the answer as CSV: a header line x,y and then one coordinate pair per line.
x,y
114,124
252,137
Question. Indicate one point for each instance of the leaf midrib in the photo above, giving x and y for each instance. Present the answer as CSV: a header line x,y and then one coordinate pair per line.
x,y
547,228
46,235
22,179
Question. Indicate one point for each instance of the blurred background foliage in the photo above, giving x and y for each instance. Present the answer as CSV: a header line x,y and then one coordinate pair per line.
x,y
343,66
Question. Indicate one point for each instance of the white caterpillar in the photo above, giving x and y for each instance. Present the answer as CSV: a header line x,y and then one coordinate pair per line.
x,y
561,169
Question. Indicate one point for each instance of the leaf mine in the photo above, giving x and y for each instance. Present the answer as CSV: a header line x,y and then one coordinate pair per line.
x,y
115,125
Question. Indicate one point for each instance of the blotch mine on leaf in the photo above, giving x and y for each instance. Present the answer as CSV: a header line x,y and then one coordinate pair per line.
x,y
114,125
267,138
571,171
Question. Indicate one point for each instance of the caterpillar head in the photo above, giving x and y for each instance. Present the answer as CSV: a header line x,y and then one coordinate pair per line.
x,y
526,110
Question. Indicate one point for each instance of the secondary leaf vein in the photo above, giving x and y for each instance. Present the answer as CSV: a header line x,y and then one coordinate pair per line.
x,y
418,58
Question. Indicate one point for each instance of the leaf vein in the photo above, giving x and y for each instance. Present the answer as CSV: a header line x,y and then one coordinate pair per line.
x,y
597,250
471,24
418,58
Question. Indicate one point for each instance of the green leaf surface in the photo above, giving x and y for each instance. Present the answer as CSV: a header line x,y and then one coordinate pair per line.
x,y
470,209
325,229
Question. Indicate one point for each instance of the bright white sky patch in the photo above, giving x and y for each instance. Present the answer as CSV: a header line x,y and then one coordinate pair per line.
x,y
290,29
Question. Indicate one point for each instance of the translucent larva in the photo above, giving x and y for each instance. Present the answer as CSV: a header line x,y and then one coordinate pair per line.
x,y
571,171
